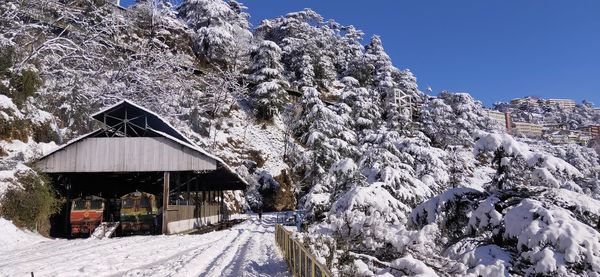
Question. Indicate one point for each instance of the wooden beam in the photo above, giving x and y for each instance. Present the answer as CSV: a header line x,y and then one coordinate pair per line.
x,y
166,178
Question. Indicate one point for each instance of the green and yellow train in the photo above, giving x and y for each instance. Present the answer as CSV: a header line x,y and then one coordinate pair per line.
x,y
139,213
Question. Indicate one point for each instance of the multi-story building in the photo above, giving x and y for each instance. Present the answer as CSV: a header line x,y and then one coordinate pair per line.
x,y
528,129
526,100
568,137
591,130
563,103
535,101
502,118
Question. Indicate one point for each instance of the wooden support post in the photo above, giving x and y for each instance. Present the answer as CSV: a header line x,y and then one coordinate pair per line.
x,y
68,210
203,208
189,196
197,199
177,180
222,207
166,178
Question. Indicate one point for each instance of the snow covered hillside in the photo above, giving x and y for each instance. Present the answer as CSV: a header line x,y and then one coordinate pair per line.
x,y
392,180
248,249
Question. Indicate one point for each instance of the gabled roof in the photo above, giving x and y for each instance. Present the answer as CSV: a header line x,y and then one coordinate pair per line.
x,y
137,118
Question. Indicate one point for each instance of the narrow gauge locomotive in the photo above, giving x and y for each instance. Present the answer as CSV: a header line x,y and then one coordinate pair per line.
x,y
86,215
139,211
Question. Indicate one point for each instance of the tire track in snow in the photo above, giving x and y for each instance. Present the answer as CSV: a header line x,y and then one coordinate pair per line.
x,y
263,257
174,264
255,256
240,259
225,257
59,249
248,249
217,266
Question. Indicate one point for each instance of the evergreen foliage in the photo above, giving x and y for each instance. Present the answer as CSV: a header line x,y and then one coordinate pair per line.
x,y
30,203
303,109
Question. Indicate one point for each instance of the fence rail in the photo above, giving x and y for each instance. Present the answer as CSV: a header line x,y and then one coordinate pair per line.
x,y
300,262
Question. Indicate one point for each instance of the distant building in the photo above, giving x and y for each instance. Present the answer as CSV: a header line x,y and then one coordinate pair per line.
x,y
568,137
528,129
502,118
563,103
534,101
552,127
591,130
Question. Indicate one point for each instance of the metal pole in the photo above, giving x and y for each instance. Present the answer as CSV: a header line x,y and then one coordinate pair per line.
x,y
166,178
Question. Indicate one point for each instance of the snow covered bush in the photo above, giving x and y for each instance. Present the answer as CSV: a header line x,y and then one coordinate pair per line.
x,y
552,239
30,202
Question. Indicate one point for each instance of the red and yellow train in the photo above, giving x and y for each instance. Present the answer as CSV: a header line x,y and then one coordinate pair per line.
x,y
86,214
138,212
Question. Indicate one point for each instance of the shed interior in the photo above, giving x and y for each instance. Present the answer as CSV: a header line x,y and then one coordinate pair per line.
x,y
190,195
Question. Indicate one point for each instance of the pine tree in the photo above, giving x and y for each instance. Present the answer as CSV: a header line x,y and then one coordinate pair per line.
x,y
305,75
348,49
394,86
266,72
365,111
221,28
452,119
511,171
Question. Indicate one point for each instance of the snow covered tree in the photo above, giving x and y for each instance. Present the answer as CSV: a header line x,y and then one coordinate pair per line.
x,y
348,49
221,29
324,134
461,165
453,118
331,47
365,111
382,161
306,74
266,72
511,171
396,88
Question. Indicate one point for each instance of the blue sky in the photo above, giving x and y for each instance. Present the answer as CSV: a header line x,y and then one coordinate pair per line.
x,y
495,50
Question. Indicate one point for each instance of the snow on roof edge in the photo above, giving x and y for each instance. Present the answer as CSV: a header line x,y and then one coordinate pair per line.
x,y
165,135
195,147
69,143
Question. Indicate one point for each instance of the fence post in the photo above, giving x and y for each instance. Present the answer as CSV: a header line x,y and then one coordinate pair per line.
x,y
293,251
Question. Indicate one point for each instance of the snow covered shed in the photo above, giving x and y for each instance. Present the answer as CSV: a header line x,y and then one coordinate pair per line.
x,y
137,150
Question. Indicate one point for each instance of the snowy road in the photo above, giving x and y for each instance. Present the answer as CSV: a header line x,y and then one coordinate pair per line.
x,y
247,249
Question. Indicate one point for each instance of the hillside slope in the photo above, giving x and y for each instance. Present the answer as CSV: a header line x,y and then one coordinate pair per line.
x,y
314,120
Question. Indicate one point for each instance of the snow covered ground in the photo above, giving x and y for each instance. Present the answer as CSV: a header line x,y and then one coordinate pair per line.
x,y
247,249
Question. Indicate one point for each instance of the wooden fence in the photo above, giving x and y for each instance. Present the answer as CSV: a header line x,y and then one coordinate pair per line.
x,y
183,212
300,262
